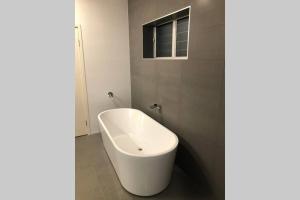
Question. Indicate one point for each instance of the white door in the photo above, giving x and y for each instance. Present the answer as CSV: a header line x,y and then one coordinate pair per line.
x,y
81,103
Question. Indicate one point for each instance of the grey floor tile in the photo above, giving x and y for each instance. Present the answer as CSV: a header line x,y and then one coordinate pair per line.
x,y
97,180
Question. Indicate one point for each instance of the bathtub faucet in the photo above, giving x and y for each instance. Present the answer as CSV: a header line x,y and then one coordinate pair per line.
x,y
110,94
155,106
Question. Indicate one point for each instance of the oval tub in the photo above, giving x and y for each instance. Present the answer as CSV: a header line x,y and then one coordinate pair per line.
x,y
141,150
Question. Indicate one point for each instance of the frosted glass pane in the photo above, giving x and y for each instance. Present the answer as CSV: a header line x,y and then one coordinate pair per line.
x,y
182,37
164,40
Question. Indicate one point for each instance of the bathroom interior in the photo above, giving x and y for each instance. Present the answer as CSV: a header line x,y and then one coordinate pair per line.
x,y
150,99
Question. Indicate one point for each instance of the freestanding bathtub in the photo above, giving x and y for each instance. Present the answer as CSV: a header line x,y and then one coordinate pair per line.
x,y
141,150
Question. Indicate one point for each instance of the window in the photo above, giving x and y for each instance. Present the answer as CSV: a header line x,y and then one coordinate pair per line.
x,y
164,40
182,36
167,37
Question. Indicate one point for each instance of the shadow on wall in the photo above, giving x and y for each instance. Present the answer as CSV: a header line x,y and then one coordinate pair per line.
x,y
187,159
117,102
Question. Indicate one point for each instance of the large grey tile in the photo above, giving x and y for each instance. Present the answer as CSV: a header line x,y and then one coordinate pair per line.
x,y
136,91
136,43
207,13
169,82
219,172
145,68
207,43
149,91
165,7
170,115
143,11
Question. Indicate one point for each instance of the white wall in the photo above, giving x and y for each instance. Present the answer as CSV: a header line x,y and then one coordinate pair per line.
x,y
105,32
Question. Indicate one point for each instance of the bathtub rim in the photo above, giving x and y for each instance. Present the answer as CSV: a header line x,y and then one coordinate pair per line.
x,y
173,147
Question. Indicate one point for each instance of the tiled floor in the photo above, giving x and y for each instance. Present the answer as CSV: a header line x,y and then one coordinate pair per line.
x,y
97,180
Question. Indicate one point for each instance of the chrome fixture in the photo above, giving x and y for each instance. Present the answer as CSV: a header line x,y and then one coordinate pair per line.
x,y
155,106
110,94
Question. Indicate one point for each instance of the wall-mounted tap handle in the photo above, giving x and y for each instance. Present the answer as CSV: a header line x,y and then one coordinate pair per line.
x,y
155,106
110,94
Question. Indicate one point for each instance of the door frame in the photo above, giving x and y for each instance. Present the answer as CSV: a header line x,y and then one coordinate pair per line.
x,y
83,77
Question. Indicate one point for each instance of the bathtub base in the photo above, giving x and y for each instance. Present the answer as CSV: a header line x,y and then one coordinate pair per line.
x,y
141,176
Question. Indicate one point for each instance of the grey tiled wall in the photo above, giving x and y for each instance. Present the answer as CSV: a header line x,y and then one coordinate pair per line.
x,y
191,91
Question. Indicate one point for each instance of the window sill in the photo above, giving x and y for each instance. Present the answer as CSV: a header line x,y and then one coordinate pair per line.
x,y
167,58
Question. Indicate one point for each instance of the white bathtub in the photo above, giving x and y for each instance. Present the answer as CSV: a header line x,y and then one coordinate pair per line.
x,y
141,150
